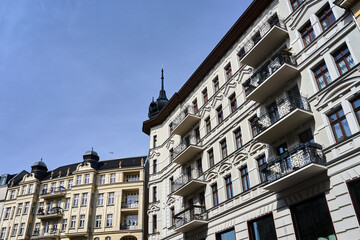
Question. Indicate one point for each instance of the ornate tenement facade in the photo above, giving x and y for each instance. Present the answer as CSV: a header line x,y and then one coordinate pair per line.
x,y
92,199
263,140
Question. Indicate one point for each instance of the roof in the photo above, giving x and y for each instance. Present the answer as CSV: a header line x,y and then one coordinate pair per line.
x,y
230,38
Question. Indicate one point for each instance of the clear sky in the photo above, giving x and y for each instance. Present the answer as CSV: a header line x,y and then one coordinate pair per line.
x,y
80,74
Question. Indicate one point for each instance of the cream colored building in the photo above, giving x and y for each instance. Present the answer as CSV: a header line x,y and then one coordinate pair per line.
x,y
263,140
92,199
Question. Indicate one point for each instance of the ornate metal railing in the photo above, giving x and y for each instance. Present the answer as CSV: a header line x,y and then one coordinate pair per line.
x,y
263,30
46,232
191,139
52,211
55,191
267,69
129,226
186,111
190,214
130,204
293,160
186,178
283,108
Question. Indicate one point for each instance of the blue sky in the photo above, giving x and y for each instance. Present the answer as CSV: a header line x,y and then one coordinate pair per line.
x,y
80,74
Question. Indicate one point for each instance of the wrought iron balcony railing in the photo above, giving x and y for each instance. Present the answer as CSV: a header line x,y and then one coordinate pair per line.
x,y
46,232
190,214
52,211
185,112
267,69
129,226
293,160
130,204
283,108
191,139
58,190
186,178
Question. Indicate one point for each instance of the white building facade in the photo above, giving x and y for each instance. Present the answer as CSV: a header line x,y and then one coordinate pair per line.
x,y
263,140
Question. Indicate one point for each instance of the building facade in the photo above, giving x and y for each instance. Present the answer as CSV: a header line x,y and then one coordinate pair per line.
x,y
92,199
263,140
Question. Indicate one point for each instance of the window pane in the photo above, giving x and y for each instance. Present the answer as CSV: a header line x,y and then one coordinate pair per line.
x,y
262,228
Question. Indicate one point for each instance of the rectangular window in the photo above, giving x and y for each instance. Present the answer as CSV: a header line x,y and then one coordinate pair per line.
x,y
76,200
53,187
306,136
326,17
31,188
262,228
245,179
296,3
354,189
226,235
64,225
3,232
238,138
205,95
23,190
62,184
20,206
82,221
154,194
113,178
98,221
100,201
70,183
111,198
155,166
67,203
87,178
15,228
171,154
274,21
356,106
154,223
195,106
339,125
307,34
215,195
73,222
208,125
322,75
343,59
216,84
254,126
7,213
12,195
84,199
78,180
241,54
26,209
132,177
223,149
109,220
102,179
256,38
228,72
273,112
229,188
219,114
155,141
261,164
211,157
172,214
22,228
312,212
233,104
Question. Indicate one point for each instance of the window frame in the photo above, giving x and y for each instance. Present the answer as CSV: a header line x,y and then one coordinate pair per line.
x,y
238,138
233,102
229,187
216,84
223,149
307,31
219,114
338,121
322,67
211,157
245,179
344,56
324,15
208,125
215,194
356,109
205,95
228,71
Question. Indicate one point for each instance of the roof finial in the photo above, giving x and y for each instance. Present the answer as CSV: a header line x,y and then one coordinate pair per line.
x,y
40,159
162,78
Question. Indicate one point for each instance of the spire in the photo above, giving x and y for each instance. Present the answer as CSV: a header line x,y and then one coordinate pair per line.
x,y
162,79
155,107
162,95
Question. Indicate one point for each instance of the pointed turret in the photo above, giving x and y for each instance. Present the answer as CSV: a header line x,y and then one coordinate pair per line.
x,y
155,107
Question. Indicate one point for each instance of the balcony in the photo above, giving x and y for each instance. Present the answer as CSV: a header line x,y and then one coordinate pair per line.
x,y
185,121
264,42
55,212
302,163
271,77
53,233
187,150
129,226
290,113
53,193
190,218
130,205
188,183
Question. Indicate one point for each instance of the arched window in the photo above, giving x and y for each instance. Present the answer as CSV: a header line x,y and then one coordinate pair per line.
x,y
96,238
108,238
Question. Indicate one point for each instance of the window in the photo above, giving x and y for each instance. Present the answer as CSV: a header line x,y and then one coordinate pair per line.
x,y
76,200
67,203
229,188
211,157
241,54
238,138
64,225
343,60
322,75
31,188
226,235
233,104
228,72
354,189
306,136
102,179
216,84
155,141
26,209
154,223
108,238
296,3
78,180
195,106
171,154
254,126
205,95
273,112
62,184
256,38
208,125
197,134
7,213
326,17
22,228
155,166
100,199
356,106
20,206
73,222
245,179
109,220
82,221
307,34
132,177
262,228
274,21
219,114
87,178
339,125
172,215
23,190
15,228
3,232
70,183
12,194
84,199
261,164
154,194
312,212
98,221
112,178
111,198
53,187
215,195
223,149
58,203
